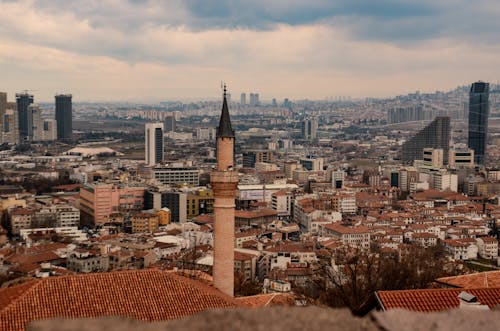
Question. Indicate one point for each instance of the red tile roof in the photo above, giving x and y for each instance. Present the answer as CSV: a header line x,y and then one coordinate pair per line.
x,y
475,280
346,230
149,295
267,300
427,300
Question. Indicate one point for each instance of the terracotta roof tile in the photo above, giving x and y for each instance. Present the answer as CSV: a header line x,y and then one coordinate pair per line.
x,y
149,295
475,280
435,299
267,300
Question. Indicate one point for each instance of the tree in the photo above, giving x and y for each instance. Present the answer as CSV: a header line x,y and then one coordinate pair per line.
x,y
350,275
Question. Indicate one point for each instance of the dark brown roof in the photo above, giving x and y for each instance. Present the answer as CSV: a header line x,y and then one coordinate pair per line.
x,y
427,300
149,295
224,130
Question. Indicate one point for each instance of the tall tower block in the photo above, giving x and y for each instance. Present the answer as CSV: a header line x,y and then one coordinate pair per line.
x,y
224,182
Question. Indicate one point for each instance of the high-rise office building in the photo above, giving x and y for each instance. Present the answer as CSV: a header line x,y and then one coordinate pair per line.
x,y
243,99
3,102
478,120
35,126
434,135
64,117
153,143
3,106
23,100
169,123
309,128
254,99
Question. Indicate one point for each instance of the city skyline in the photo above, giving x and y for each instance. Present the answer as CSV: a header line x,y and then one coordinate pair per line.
x,y
146,50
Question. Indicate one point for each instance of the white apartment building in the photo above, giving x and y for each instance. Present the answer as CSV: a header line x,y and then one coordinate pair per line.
x,y
488,247
153,143
282,202
354,236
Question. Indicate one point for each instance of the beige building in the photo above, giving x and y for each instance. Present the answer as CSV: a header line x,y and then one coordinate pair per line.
x,y
433,157
164,216
144,222
355,236
461,158
488,247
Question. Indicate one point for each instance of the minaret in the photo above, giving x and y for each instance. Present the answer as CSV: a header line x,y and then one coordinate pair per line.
x,y
224,182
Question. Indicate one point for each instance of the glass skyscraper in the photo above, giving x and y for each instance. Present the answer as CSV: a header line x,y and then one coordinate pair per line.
x,y
25,120
478,120
434,135
64,117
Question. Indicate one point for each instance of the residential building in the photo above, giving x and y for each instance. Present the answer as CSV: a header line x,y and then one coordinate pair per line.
x,y
312,163
358,236
245,265
338,177
99,200
461,158
83,261
67,216
20,218
205,134
433,157
344,203
164,216
144,222
170,123
176,201
177,175
488,247
199,202
310,128
282,202
250,158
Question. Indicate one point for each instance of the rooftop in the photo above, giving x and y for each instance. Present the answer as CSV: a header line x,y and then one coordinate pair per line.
x,y
125,293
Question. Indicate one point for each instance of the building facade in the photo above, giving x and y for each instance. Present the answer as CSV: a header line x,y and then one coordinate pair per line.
x,y
310,129
478,120
153,143
177,175
435,135
100,200
23,101
64,116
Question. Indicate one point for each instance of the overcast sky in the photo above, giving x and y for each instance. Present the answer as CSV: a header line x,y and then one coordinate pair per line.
x,y
139,50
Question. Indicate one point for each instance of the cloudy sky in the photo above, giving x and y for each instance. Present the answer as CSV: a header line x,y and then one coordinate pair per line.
x,y
139,50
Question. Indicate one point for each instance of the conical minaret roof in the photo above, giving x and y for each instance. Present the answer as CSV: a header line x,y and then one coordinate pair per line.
x,y
225,130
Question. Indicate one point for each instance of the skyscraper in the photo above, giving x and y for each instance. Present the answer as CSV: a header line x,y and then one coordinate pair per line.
x,y
309,128
34,122
478,120
23,100
243,99
3,106
169,123
153,143
434,135
64,117
224,182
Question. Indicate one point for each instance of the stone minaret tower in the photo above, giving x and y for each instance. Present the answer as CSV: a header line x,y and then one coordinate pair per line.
x,y
224,182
